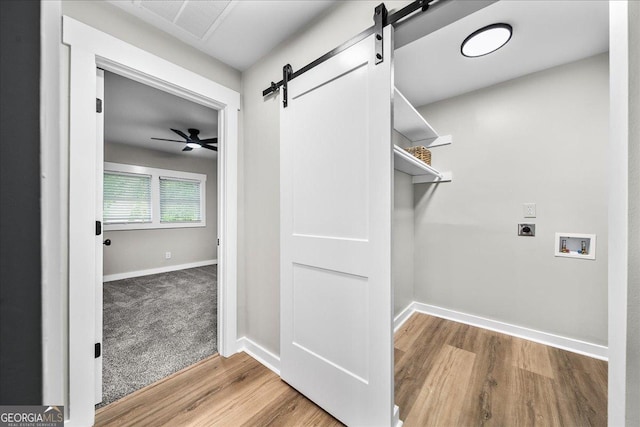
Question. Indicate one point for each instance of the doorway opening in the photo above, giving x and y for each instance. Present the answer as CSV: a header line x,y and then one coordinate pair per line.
x,y
470,265
159,195
90,48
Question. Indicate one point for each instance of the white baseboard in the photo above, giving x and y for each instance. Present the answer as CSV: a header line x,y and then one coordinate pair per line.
x,y
271,361
139,273
397,422
576,346
259,353
404,315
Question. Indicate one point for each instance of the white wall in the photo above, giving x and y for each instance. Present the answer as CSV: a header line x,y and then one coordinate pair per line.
x,y
134,250
402,239
541,138
115,21
261,185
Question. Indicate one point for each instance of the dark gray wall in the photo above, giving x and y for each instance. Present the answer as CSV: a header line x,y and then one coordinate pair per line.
x,y
20,268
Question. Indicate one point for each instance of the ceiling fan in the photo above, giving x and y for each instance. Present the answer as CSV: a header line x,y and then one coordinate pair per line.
x,y
192,140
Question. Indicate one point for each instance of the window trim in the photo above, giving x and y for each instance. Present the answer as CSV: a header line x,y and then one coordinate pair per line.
x,y
155,174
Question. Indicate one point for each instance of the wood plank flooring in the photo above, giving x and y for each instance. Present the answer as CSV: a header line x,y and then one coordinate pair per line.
x,y
446,374
451,374
216,392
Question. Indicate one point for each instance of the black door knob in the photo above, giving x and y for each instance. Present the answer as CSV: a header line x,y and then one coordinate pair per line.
x,y
107,242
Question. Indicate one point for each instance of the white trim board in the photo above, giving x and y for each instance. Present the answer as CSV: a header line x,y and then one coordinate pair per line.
x,y
53,203
576,346
404,315
397,422
166,269
624,309
272,362
259,353
91,48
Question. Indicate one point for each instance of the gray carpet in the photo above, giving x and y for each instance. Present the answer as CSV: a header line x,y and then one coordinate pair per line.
x,y
156,325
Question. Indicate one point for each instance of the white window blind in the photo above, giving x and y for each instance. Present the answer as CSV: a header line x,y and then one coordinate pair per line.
x,y
127,198
179,200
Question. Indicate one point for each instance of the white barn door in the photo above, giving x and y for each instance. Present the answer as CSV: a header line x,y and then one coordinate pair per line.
x,y
336,205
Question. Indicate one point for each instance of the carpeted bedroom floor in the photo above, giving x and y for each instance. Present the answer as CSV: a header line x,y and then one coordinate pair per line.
x,y
156,325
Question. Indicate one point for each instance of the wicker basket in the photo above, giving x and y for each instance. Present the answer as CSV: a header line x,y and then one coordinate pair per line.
x,y
420,153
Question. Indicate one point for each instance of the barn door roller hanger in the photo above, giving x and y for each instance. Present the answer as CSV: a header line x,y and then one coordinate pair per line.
x,y
381,19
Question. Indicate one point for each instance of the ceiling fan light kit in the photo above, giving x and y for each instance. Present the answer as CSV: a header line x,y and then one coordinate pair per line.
x,y
192,140
486,40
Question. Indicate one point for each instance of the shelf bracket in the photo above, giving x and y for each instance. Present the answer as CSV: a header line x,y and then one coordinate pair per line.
x,y
430,179
380,21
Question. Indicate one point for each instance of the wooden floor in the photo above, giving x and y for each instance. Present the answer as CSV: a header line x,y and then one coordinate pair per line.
x,y
451,374
216,392
446,373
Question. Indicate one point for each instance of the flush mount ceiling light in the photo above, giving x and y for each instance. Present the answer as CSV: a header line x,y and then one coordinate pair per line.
x,y
486,40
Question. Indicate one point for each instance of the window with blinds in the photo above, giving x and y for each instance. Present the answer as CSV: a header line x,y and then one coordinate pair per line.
x,y
179,200
127,198
143,198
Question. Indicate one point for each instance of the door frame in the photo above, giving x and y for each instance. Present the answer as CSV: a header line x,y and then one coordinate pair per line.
x,y
623,221
89,49
99,255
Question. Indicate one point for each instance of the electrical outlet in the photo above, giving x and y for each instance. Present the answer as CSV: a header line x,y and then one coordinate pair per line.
x,y
167,255
526,230
529,210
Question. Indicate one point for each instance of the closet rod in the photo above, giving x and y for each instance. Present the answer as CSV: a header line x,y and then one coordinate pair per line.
x,y
395,18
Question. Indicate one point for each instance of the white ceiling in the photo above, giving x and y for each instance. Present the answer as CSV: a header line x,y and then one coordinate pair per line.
x,y
545,34
134,112
237,32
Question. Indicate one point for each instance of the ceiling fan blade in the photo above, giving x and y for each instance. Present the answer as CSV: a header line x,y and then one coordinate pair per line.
x,y
208,147
164,139
187,149
210,140
182,134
